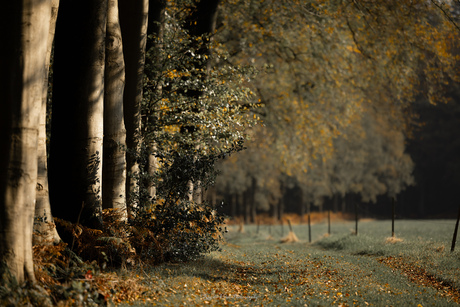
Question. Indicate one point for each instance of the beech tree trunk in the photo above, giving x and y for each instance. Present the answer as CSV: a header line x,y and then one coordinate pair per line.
x,y
75,165
114,158
44,228
25,29
156,20
133,22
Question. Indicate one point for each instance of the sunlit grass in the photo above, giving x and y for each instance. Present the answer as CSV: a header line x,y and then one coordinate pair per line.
x,y
254,267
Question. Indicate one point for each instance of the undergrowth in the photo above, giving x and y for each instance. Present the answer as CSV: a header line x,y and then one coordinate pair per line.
x,y
88,269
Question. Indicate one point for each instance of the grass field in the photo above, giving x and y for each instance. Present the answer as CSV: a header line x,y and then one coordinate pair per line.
x,y
255,269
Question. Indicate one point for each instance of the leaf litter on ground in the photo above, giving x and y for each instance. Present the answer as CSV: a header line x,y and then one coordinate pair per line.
x,y
354,270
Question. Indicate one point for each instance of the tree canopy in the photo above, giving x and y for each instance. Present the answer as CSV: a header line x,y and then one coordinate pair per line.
x,y
338,83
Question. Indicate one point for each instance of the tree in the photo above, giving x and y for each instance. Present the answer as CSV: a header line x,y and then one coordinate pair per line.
x,y
370,158
79,92
44,229
114,155
155,31
75,164
133,23
327,64
198,114
434,148
201,25
23,60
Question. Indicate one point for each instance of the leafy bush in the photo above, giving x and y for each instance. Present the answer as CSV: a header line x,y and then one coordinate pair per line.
x,y
175,231
171,231
195,110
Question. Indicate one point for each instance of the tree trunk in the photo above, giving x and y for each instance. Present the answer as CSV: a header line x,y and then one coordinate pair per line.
x,y
336,202
393,217
114,158
356,217
211,197
274,210
233,205
133,22
203,17
152,169
25,28
202,21
75,165
421,204
252,200
454,237
246,206
240,204
302,212
253,212
198,193
156,19
302,205
44,229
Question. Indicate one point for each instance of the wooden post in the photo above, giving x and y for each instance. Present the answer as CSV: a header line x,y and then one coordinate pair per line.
x,y
393,217
356,218
454,239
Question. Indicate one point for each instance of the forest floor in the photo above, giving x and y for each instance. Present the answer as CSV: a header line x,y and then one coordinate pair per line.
x,y
255,268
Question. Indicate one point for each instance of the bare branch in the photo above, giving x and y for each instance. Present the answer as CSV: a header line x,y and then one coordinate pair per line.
x,y
439,6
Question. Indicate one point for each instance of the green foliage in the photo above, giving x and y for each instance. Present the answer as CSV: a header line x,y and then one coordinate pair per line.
x,y
195,102
175,231
195,111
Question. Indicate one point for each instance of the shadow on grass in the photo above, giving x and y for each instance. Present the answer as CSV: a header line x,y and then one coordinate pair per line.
x,y
257,272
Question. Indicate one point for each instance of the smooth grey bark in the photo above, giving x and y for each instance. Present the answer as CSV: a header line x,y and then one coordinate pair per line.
x,y
25,29
156,23
75,164
114,158
133,16
44,228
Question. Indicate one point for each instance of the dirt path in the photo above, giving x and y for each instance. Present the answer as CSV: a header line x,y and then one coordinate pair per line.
x,y
295,274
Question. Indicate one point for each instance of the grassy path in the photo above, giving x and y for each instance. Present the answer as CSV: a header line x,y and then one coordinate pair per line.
x,y
253,271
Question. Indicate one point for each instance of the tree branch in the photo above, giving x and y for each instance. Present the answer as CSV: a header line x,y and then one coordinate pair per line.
x,y
439,6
